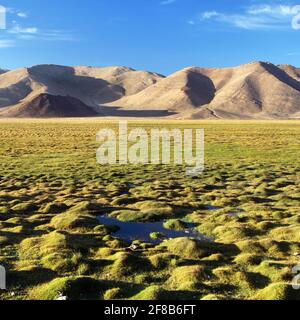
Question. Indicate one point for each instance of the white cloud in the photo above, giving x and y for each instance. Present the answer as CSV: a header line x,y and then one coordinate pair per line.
x,y
22,14
278,10
56,35
255,17
30,33
209,14
17,12
7,43
18,32
166,2
17,29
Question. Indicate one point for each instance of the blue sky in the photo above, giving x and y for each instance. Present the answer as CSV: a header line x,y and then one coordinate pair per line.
x,y
156,35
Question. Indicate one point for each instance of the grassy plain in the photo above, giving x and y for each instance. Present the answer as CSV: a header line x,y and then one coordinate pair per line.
x,y
52,189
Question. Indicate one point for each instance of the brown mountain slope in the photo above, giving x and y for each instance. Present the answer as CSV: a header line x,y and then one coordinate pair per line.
x,y
181,91
292,71
49,106
25,84
132,81
14,86
93,86
255,90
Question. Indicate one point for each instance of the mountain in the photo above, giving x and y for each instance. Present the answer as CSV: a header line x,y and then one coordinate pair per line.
x,y
184,90
258,90
49,106
84,83
132,81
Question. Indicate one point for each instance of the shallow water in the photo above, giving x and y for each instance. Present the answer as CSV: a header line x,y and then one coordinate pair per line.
x,y
130,231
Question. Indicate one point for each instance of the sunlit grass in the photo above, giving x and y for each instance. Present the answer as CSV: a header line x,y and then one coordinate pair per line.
x,y
51,188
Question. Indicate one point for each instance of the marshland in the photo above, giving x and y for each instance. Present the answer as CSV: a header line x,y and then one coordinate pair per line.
x,y
238,221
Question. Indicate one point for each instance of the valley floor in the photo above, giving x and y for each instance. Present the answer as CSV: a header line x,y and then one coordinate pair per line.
x,y
246,204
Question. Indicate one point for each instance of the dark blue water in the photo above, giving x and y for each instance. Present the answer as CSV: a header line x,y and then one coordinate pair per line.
x,y
130,231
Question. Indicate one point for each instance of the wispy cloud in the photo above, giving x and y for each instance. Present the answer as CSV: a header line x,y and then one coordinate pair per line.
x,y
166,2
17,29
22,14
7,43
19,13
255,17
210,14
34,33
56,35
16,32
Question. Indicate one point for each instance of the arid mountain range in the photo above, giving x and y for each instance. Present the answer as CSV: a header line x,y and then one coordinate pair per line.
x,y
257,90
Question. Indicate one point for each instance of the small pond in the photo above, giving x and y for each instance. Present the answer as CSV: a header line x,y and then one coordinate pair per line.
x,y
130,231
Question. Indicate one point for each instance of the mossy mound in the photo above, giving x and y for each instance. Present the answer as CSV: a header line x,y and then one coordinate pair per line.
x,y
54,208
188,277
276,271
156,235
34,248
4,210
52,251
75,288
162,260
128,215
24,208
104,252
251,247
87,206
151,205
278,291
74,220
105,230
152,293
15,220
146,211
278,249
290,233
234,232
189,248
112,294
116,244
244,282
248,259
128,264
207,228
174,224
146,215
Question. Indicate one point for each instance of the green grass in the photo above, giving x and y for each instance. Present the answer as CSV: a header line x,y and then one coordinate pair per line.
x,y
51,189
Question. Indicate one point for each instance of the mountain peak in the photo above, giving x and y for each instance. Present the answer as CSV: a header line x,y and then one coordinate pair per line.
x,y
46,105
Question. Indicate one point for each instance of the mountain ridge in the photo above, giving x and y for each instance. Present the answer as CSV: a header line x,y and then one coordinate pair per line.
x,y
257,90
